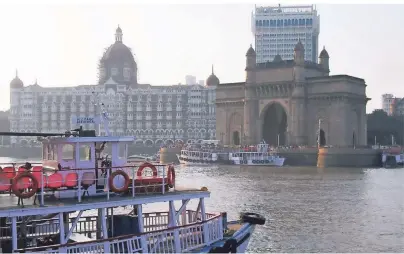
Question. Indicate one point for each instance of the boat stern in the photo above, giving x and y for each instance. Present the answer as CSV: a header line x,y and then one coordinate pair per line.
x,y
237,234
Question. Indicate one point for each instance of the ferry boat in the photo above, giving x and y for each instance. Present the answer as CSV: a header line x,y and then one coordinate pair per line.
x,y
140,158
393,157
259,157
36,202
204,153
198,157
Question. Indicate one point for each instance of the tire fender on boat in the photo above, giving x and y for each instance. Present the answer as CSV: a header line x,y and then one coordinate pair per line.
x,y
147,165
16,188
253,218
125,187
171,176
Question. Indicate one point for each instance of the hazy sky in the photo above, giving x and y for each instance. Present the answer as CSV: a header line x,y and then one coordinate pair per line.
x,y
60,44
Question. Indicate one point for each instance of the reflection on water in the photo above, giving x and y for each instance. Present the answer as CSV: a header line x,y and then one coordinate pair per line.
x,y
308,209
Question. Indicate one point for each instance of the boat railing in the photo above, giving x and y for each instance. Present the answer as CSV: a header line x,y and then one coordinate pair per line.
x,y
87,225
83,183
177,239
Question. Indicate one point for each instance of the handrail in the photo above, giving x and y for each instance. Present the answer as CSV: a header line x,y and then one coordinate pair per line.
x,y
141,184
57,246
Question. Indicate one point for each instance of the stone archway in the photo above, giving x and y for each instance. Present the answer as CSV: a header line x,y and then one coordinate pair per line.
x,y
274,125
236,138
353,139
323,140
235,124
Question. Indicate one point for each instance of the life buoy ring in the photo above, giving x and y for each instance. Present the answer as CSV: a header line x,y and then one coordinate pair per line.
x,y
147,165
253,218
245,161
171,176
16,186
112,187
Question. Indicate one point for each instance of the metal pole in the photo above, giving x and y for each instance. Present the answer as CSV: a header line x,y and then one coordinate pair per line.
x,y
278,140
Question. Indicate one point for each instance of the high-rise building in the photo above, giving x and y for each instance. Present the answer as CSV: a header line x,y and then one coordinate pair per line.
x,y
190,80
387,103
278,29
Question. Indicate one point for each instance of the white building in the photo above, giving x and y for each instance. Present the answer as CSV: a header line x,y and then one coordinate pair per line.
x,y
190,80
387,103
154,114
278,29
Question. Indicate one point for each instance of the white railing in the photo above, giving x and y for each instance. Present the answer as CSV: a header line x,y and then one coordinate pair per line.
x,y
171,240
81,183
88,224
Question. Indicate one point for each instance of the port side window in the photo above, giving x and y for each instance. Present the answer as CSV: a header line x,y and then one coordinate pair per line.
x,y
122,151
67,152
85,153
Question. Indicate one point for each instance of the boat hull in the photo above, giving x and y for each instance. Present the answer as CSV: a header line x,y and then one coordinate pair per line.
x,y
242,236
278,162
192,163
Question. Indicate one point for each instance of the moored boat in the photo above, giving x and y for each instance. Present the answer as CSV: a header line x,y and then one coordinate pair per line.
x,y
207,152
260,156
393,157
36,203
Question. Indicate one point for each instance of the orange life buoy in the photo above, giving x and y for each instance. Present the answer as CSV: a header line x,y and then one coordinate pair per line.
x,y
125,187
18,189
147,165
171,176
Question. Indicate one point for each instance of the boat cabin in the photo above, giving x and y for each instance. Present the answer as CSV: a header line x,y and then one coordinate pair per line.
x,y
82,157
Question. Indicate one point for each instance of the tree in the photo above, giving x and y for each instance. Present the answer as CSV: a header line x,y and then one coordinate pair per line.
x,y
383,126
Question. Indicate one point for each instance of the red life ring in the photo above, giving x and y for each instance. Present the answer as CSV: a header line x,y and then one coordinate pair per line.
x,y
16,186
125,187
171,176
147,165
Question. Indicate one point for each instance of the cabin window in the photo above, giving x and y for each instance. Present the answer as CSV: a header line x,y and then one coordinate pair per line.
x,y
122,151
67,152
85,153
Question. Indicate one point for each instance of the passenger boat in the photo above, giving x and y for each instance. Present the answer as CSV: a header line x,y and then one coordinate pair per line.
x,y
199,157
392,157
140,158
71,181
261,156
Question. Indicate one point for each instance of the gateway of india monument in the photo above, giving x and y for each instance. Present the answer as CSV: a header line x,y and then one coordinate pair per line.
x,y
292,102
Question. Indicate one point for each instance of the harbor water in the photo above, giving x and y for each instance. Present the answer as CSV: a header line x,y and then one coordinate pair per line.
x,y
307,209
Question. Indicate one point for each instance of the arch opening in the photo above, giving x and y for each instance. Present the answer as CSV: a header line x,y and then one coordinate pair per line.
x,y
236,138
353,139
322,138
275,125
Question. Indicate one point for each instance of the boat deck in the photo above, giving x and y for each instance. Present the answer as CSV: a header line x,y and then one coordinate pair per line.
x,y
9,207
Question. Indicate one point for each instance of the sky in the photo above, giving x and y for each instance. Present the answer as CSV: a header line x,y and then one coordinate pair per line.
x,y
60,44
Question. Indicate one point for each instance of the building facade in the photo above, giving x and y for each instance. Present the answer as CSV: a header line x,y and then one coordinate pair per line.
x,y
292,102
392,105
153,114
278,29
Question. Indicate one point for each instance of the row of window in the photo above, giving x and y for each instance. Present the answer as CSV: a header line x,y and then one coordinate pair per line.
x,y
284,22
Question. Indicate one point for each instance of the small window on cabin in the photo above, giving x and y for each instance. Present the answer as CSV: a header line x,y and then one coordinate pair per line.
x,y
122,151
54,153
85,153
67,152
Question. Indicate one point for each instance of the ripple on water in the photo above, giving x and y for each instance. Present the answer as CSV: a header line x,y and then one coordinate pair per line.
x,y
311,210
308,209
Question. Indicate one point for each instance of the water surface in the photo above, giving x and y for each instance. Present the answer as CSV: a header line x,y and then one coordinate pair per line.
x,y
307,209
